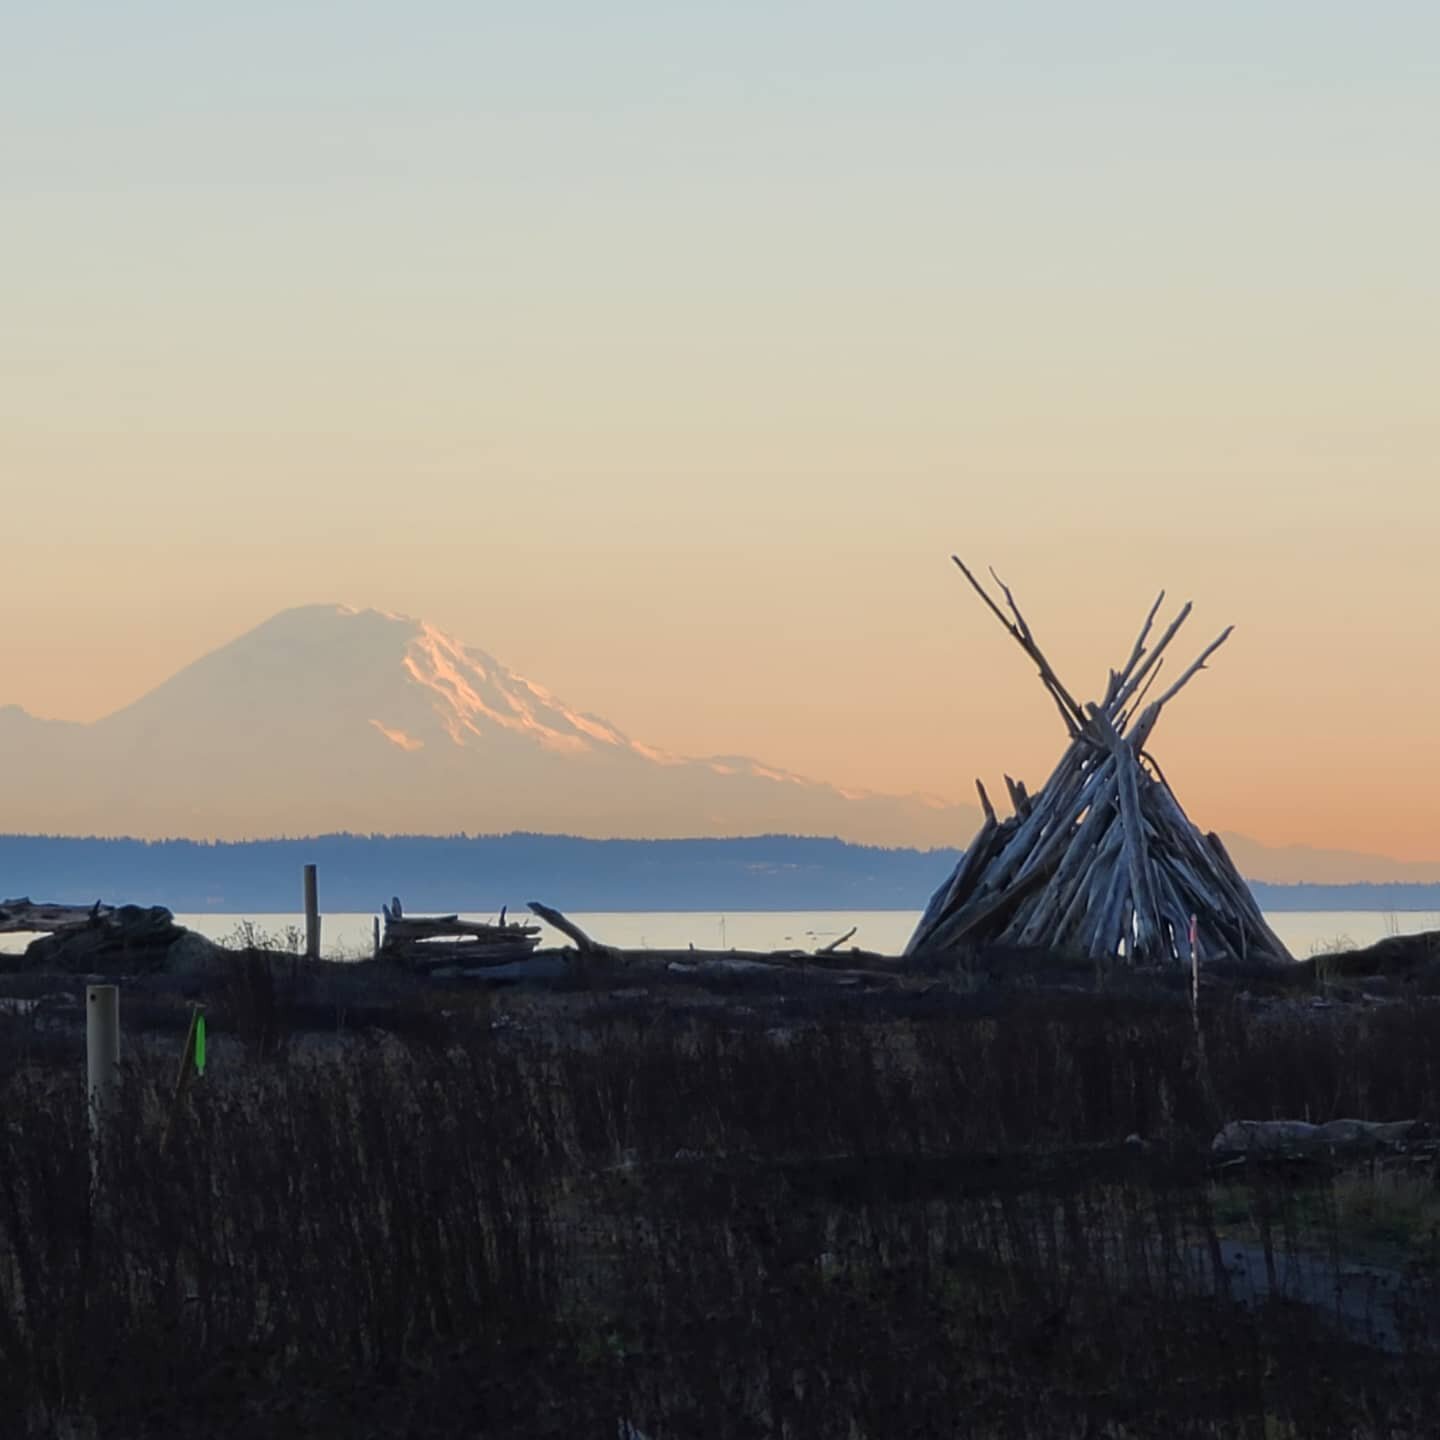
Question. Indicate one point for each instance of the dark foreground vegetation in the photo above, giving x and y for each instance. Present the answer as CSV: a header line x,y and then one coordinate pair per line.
x,y
775,1211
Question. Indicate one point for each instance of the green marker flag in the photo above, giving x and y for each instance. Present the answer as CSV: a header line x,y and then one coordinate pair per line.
x,y
200,1044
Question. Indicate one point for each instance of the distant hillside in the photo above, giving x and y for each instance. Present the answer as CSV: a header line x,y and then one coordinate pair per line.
x,y
1307,865
480,874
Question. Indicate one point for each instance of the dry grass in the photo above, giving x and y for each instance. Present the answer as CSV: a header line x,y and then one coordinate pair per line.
x,y
855,1223
1391,1207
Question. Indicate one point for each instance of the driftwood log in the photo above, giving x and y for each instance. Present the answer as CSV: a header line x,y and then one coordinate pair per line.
x,y
1248,1137
568,928
448,927
836,943
24,916
448,947
102,939
827,964
432,942
1102,861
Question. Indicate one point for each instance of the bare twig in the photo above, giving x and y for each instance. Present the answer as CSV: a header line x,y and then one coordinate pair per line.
x,y
1118,680
985,804
1133,684
1020,632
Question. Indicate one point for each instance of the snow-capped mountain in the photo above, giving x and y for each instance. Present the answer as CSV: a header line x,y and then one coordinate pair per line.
x,y
327,718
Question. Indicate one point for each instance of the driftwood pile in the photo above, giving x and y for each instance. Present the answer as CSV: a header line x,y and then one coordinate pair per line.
x,y
25,916
430,943
101,939
447,947
828,964
1102,861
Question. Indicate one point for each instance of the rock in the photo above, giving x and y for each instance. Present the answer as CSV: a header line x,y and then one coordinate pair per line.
x,y
1269,1136
192,954
1247,1135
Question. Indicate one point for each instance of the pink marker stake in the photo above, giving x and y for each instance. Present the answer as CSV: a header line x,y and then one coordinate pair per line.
x,y
1194,964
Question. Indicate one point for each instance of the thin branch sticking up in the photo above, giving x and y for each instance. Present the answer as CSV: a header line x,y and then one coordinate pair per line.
x,y
1195,669
1136,654
1133,684
1019,631
985,804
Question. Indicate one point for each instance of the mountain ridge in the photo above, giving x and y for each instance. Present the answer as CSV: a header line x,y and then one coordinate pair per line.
x,y
330,717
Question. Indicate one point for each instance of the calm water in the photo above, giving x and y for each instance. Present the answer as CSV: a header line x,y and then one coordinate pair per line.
x,y
1306,932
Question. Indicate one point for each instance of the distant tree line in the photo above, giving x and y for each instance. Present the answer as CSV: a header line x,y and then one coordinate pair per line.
x,y
480,873
1363,895
476,873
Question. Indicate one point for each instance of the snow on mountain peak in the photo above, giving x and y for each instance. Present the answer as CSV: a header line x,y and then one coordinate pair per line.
x,y
469,690
398,737
329,716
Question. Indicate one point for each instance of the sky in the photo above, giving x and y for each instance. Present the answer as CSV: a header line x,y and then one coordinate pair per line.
x,y
668,351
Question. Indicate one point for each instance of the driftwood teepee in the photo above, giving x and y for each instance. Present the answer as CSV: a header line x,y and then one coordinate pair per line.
x,y
1103,861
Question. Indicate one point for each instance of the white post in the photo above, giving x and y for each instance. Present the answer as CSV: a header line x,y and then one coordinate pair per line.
x,y
102,1052
312,914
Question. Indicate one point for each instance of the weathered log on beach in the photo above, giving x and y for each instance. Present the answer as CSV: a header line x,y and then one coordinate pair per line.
x,y
430,942
445,947
569,929
22,916
827,956
791,961
614,966
442,927
827,963
1250,1137
104,940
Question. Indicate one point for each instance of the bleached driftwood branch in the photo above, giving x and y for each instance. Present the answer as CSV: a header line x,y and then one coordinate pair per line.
x,y
25,915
